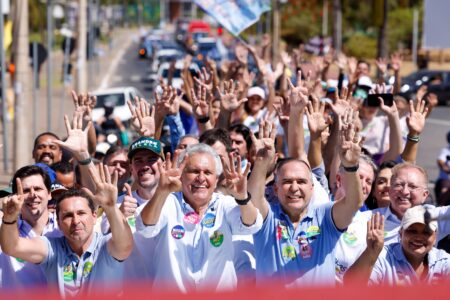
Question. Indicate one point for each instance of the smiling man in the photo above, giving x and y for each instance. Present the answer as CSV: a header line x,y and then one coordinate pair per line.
x,y
34,220
81,261
45,149
192,225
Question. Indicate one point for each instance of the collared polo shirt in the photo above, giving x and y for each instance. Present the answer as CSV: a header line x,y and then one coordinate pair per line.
x,y
392,267
95,271
353,242
190,253
16,273
297,256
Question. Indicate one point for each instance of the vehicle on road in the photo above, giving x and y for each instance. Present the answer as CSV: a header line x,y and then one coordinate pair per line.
x,y
437,82
117,97
165,72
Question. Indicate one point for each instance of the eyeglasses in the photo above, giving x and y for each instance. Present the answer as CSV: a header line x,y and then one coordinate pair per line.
x,y
400,186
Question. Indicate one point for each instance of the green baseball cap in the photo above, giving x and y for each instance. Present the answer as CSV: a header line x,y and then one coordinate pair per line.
x,y
145,143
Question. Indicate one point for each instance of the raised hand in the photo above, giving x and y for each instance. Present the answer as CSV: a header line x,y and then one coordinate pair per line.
x,y
170,174
416,119
236,181
381,63
228,98
298,95
129,203
341,104
390,111
84,104
349,143
264,145
168,103
205,79
396,61
241,53
282,107
375,234
13,204
105,187
315,114
142,117
286,59
201,102
76,141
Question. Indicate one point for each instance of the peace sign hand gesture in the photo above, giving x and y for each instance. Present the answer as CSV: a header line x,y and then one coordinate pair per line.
x,y
13,204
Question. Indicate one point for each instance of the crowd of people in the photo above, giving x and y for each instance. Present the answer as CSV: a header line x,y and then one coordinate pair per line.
x,y
266,172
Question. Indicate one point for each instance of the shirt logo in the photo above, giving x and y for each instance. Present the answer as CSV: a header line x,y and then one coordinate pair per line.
x,y
350,238
216,238
131,221
178,232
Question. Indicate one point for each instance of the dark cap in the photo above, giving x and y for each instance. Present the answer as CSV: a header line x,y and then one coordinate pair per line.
x,y
145,143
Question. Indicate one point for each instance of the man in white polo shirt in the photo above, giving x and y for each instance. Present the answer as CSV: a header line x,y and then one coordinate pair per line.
x,y
192,226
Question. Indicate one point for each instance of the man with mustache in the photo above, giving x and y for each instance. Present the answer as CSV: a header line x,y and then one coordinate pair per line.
x,y
45,149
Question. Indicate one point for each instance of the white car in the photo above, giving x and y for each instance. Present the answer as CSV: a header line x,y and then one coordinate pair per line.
x,y
117,97
177,81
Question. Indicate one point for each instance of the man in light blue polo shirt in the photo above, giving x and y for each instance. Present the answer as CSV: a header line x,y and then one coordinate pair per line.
x,y
82,261
296,243
412,260
192,225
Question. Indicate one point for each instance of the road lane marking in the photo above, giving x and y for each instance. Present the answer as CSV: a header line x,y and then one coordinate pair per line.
x,y
438,122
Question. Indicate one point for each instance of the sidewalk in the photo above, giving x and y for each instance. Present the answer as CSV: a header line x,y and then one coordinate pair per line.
x,y
97,69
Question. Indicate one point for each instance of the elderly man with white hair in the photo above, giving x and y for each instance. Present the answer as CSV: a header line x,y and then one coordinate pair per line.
x,y
191,227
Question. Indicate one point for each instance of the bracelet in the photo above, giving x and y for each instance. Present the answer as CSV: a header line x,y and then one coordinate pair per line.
x,y
9,223
203,120
414,138
85,162
351,169
244,201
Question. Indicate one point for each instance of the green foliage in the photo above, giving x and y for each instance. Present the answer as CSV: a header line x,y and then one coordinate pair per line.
x,y
361,46
400,27
299,27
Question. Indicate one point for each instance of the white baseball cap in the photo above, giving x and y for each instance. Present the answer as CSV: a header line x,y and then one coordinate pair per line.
x,y
256,91
415,215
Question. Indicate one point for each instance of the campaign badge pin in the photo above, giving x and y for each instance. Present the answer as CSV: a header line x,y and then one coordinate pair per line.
x,y
216,238
312,231
301,239
208,220
68,273
177,232
350,238
87,268
131,221
288,252
191,218
305,251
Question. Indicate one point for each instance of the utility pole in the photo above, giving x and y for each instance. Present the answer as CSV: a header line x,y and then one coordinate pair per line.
x,y
22,82
49,63
337,25
276,30
3,96
382,25
81,82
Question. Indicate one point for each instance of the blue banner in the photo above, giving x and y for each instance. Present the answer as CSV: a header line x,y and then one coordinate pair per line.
x,y
235,15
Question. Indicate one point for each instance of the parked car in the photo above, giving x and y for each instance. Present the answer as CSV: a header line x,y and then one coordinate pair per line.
x,y
118,97
162,56
438,82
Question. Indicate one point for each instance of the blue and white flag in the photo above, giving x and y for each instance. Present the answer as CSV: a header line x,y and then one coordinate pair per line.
x,y
235,15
